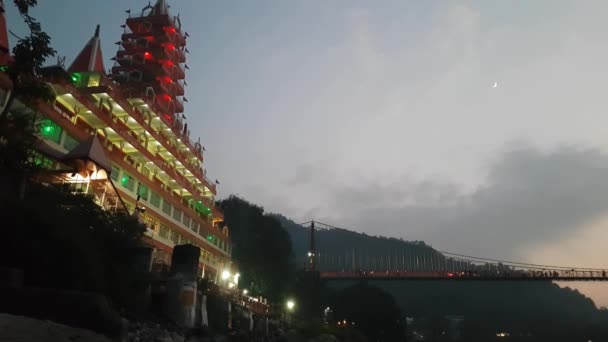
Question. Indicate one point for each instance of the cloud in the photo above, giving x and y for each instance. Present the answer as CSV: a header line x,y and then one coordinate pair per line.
x,y
530,197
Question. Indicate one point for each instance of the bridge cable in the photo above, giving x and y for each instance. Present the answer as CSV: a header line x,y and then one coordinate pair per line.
x,y
506,262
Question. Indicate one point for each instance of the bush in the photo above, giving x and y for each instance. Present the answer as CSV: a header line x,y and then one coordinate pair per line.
x,y
65,241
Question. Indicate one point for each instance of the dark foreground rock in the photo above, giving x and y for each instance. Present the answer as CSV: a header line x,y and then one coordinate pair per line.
x,y
23,329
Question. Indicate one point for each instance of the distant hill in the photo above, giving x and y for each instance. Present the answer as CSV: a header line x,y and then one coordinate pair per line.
x,y
542,308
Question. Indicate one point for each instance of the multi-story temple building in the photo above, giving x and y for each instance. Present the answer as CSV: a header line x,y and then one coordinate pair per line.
x,y
128,122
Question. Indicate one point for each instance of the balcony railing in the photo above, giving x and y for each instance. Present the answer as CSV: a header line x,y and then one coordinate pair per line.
x,y
139,116
130,136
205,228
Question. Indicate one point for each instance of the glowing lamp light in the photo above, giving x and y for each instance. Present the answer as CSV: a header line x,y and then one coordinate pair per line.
x,y
309,254
147,55
169,29
231,285
245,291
165,97
170,47
290,305
76,77
168,63
225,275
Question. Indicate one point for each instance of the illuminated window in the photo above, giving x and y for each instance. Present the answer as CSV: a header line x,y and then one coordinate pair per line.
x,y
151,223
142,191
175,237
50,131
93,80
202,209
76,79
127,182
164,231
42,161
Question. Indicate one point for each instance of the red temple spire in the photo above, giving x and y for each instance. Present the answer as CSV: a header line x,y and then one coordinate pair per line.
x,y
90,58
151,60
160,8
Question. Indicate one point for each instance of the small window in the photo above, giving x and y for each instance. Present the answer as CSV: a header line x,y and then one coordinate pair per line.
x,y
177,214
70,143
115,173
93,80
164,231
186,220
142,191
42,161
151,223
50,131
127,182
167,208
154,199
175,237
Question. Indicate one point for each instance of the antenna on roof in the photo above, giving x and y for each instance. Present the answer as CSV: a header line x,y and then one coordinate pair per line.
x,y
61,61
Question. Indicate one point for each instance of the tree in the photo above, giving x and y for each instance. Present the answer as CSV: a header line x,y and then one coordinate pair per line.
x,y
261,248
29,54
18,128
62,239
370,310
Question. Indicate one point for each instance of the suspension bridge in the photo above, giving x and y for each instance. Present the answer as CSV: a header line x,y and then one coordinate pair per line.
x,y
406,264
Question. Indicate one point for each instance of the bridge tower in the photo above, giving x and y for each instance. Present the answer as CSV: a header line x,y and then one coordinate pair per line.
x,y
312,250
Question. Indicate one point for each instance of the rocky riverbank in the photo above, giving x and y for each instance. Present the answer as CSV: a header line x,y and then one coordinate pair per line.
x,y
23,329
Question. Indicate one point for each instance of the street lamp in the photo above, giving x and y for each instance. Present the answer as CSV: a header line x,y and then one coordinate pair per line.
x,y
291,305
245,291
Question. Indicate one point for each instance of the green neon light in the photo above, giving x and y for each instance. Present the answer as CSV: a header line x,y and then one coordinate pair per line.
x,y
47,128
202,208
124,180
76,77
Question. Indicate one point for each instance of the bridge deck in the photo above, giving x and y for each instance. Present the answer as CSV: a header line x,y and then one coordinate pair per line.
x,y
463,276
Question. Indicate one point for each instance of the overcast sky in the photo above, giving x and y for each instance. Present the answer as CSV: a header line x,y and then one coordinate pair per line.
x,y
480,127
